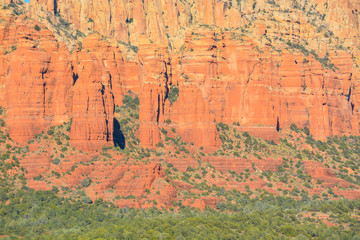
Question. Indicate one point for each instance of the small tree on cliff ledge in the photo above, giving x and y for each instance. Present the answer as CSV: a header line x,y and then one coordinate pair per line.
x,y
173,94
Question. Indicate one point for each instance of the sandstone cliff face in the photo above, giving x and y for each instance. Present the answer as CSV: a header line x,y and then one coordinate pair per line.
x,y
35,79
260,89
41,85
93,101
264,65
161,20
153,76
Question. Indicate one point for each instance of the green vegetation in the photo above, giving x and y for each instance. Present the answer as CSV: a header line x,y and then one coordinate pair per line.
x,y
325,61
37,28
126,127
134,48
131,102
239,213
16,7
43,215
129,20
173,94
56,161
86,182
13,48
252,213
64,29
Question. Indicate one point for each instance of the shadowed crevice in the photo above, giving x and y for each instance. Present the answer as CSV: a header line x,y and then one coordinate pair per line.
x,y
118,136
55,7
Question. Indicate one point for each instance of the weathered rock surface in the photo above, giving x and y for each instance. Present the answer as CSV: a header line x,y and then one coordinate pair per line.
x,y
93,100
42,86
230,62
256,65
35,78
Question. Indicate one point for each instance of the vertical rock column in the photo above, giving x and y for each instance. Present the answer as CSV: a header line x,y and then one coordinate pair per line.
x,y
34,76
153,73
93,100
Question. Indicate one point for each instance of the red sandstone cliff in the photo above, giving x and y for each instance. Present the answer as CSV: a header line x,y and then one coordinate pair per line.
x,y
41,85
262,66
35,78
230,61
93,100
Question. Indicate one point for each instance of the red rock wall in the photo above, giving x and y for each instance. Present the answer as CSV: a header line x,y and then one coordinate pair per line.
x,y
93,100
153,76
35,79
42,85
222,75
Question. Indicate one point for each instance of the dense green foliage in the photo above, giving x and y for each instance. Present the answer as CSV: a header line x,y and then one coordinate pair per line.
x,y
42,215
37,28
131,102
173,94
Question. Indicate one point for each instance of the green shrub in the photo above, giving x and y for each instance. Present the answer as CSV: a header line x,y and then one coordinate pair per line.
x,y
306,130
131,102
50,132
173,94
246,134
160,144
189,169
86,200
38,178
293,127
223,126
37,28
56,161
86,182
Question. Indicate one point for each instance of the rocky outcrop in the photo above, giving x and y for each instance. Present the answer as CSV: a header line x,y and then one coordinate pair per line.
x,y
154,77
228,80
93,100
262,65
35,77
42,85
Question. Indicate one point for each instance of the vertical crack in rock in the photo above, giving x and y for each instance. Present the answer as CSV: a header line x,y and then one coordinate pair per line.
x,y
110,8
55,7
349,94
75,77
158,110
43,72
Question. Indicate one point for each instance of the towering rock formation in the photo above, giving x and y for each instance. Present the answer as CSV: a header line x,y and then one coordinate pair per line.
x,y
35,77
93,100
43,86
262,64
154,77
